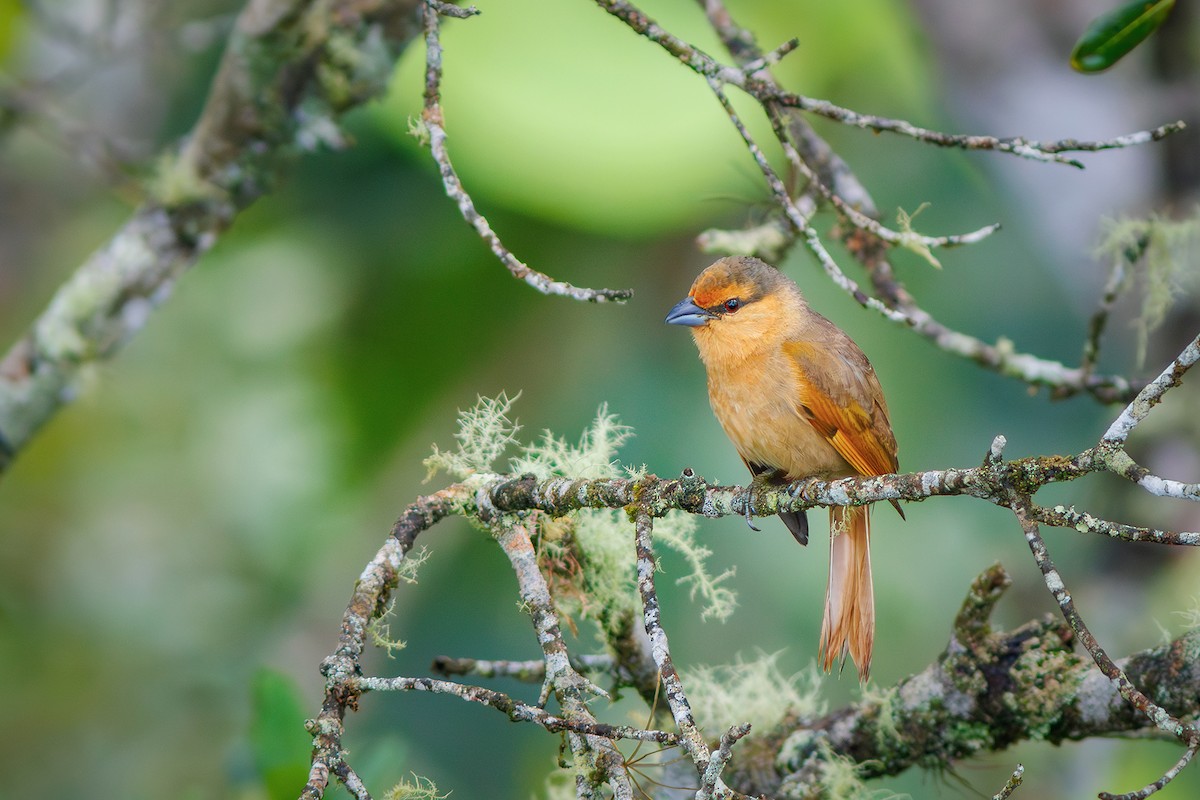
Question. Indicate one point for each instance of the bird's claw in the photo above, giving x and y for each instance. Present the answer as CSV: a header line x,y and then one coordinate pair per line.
x,y
748,514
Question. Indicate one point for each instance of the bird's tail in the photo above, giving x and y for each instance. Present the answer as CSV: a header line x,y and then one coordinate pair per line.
x,y
849,622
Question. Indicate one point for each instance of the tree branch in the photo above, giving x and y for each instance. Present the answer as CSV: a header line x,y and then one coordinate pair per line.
x,y
1189,734
987,691
514,709
692,740
596,758
528,671
279,92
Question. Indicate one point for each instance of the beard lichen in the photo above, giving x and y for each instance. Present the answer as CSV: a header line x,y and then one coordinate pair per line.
x,y
589,554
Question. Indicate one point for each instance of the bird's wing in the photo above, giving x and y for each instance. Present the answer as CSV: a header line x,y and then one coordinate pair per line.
x,y
845,405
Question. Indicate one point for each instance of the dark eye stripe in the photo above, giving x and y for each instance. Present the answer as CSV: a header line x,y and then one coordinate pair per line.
x,y
728,306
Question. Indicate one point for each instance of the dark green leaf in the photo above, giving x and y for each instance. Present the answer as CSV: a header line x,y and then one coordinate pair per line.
x,y
1114,34
282,750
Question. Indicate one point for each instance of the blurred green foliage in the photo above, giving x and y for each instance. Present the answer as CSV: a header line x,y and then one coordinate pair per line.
x,y
282,750
203,509
655,146
10,21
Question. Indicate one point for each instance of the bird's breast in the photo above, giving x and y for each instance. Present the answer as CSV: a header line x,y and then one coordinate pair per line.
x,y
757,405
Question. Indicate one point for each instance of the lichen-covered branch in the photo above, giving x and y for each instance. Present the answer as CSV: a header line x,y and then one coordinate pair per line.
x,y
1010,786
596,757
528,671
368,602
514,709
1152,394
692,739
284,82
1156,714
986,691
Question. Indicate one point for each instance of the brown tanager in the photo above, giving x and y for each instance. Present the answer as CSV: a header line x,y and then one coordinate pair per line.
x,y
798,399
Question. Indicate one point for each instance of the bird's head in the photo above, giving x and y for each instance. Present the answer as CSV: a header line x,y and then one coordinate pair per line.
x,y
737,306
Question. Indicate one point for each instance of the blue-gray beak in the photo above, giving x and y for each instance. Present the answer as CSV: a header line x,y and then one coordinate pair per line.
x,y
686,312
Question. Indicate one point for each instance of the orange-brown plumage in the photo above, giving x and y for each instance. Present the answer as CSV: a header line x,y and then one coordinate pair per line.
x,y
798,399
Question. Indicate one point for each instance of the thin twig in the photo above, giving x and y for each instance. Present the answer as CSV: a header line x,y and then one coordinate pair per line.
x,y
1099,319
692,739
720,757
1110,452
1084,522
371,594
514,709
595,756
1151,788
432,124
1188,734
1152,394
1011,784
527,671
1017,146
763,91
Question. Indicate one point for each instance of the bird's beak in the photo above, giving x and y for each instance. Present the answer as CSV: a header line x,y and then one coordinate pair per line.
x,y
686,312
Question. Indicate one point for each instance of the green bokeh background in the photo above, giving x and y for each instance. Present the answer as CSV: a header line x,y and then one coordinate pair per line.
x,y
202,510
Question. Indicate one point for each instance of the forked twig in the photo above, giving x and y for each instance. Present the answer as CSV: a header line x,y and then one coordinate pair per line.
x,y
1187,733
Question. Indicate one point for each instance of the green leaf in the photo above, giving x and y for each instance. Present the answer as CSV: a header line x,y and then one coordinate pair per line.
x,y
11,23
1114,34
282,751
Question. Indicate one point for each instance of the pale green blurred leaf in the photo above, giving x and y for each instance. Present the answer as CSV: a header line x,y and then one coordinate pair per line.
x,y
282,750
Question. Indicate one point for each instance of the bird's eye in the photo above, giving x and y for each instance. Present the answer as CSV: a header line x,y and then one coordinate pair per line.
x,y
732,304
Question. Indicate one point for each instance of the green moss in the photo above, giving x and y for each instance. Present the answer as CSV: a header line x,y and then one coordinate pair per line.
x,y
967,736
357,65
753,691
175,182
418,788
1045,684
887,735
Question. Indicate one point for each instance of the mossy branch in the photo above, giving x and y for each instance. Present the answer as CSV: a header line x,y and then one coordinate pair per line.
x,y
983,694
291,69
986,691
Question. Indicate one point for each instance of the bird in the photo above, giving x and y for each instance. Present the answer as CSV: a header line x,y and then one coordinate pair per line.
x,y
798,399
